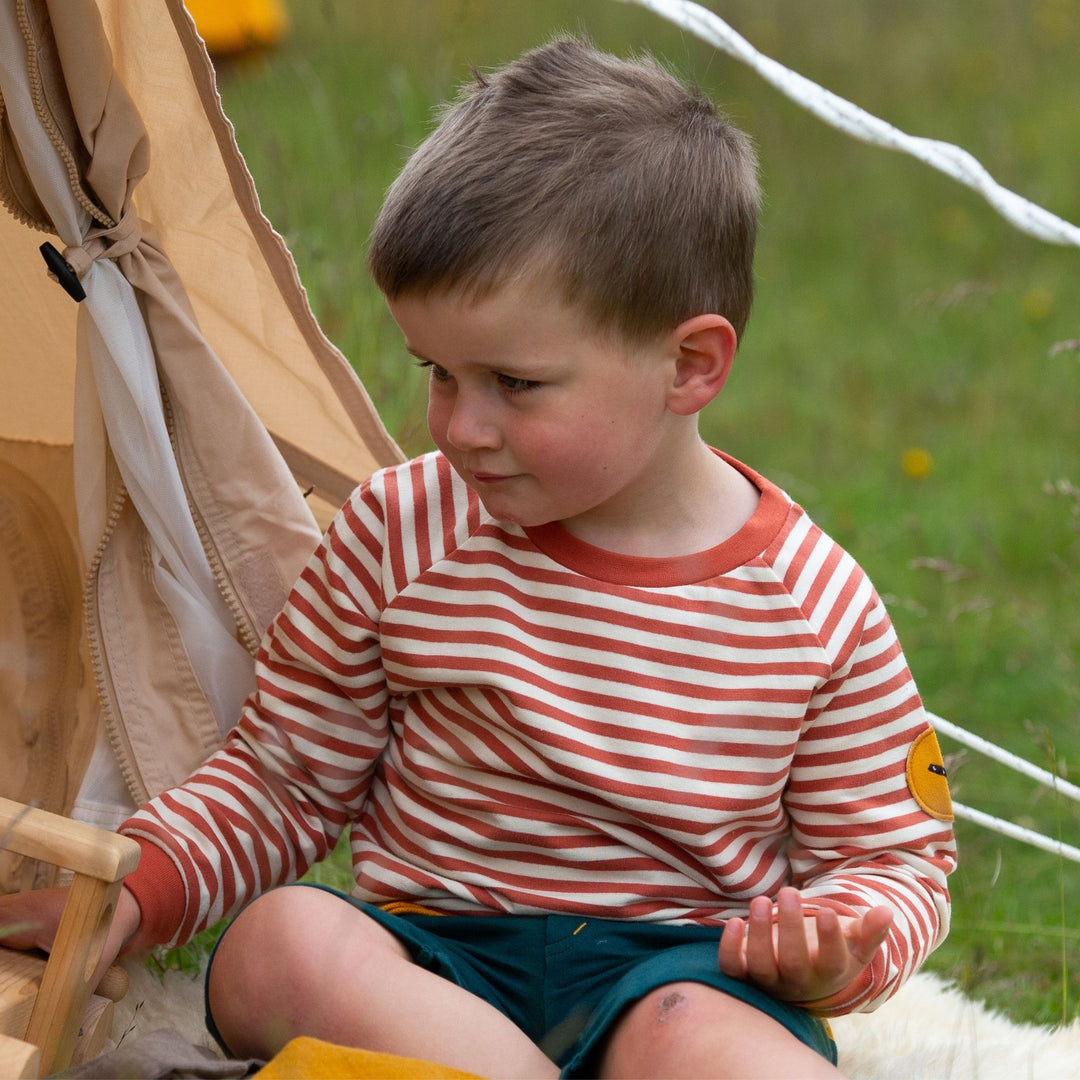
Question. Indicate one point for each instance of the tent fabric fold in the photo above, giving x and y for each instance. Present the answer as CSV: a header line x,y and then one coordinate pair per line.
x,y
167,428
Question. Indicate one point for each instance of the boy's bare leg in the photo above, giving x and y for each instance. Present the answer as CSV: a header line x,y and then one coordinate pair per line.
x,y
687,1029
302,961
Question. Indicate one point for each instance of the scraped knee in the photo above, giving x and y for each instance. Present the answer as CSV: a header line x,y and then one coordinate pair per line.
x,y
652,1030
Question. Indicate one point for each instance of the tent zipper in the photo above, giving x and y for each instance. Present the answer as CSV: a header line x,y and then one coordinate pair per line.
x,y
114,730
247,632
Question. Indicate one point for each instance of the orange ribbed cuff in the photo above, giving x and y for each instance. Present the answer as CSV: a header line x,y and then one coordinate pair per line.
x,y
159,889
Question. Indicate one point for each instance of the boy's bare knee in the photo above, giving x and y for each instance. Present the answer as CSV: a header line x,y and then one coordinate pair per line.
x,y
687,1029
243,995
651,1030
278,958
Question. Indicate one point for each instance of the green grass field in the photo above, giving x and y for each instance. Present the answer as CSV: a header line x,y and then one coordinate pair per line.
x,y
896,312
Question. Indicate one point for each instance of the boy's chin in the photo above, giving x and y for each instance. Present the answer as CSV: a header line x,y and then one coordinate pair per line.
x,y
510,515
522,521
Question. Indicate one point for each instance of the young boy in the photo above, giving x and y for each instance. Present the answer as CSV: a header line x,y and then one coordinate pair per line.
x,y
636,777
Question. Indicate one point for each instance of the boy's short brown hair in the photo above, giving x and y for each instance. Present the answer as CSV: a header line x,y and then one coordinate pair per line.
x,y
608,177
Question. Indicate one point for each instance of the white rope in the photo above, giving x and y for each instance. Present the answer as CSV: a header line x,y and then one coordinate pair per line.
x,y
1003,757
842,114
1020,765
1017,832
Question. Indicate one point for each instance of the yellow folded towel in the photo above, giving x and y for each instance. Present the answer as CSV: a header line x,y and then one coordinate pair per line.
x,y
312,1059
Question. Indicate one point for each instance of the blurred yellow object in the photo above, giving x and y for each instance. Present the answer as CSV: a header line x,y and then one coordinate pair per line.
x,y
916,463
1038,304
318,1060
235,26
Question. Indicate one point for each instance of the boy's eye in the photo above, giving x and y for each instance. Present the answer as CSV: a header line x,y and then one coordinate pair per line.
x,y
509,384
513,385
437,373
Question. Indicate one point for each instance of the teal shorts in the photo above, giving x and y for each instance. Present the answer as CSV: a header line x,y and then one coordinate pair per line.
x,y
565,980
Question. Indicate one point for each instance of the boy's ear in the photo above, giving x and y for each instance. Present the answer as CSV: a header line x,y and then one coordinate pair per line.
x,y
703,347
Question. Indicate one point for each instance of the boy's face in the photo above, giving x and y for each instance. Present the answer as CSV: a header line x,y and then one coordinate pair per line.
x,y
542,417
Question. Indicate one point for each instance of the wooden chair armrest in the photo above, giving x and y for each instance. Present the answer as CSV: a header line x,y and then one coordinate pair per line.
x,y
59,841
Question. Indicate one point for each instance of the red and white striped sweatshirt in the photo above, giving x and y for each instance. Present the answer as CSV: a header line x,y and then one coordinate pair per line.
x,y
514,721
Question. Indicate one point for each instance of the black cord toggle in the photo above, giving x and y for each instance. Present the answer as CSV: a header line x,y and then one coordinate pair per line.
x,y
60,268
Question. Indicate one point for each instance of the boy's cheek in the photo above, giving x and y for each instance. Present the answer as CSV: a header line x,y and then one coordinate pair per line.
x,y
438,422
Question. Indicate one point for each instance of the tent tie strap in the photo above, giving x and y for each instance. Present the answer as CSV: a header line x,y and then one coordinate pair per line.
x,y
102,241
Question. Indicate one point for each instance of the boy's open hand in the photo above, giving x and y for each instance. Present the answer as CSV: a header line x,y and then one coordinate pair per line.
x,y
804,955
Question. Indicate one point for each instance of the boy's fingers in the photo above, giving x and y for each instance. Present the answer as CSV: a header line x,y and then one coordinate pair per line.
x,y
760,943
792,949
732,956
799,953
834,955
869,933
29,919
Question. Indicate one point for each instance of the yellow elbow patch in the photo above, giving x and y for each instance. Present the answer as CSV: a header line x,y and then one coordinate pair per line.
x,y
926,776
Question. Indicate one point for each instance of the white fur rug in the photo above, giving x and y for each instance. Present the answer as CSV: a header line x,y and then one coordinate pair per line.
x,y
929,1031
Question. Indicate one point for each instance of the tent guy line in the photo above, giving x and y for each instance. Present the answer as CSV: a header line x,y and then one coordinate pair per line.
x,y
842,114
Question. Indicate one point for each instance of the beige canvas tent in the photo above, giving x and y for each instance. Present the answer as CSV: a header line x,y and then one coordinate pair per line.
x,y
169,445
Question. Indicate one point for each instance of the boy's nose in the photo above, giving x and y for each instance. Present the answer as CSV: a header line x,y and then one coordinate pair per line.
x,y
470,427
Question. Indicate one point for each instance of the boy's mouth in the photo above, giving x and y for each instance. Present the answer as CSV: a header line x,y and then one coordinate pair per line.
x,y
490,478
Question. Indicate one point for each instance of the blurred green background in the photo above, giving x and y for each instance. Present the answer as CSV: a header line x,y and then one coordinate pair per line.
x,y
912,370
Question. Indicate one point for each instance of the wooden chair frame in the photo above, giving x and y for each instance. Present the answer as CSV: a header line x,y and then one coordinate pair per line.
x,y
99,861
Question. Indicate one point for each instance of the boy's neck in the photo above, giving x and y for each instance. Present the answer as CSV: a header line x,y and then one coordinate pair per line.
x,y
701,506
